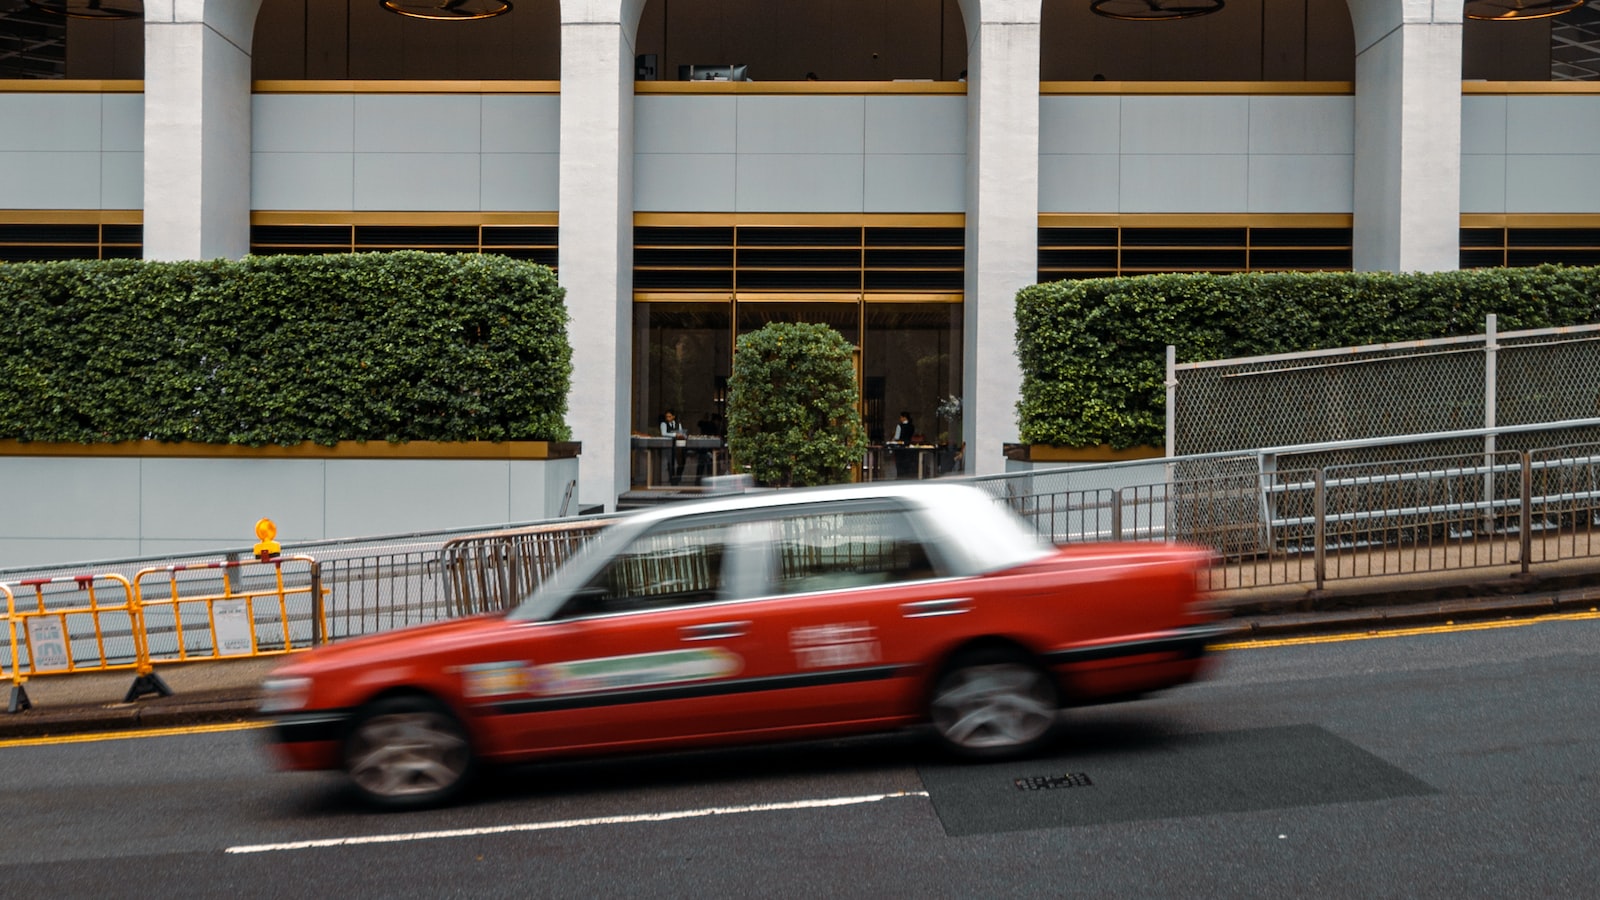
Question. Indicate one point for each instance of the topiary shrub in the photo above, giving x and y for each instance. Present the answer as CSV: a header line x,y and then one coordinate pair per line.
x,y
792,416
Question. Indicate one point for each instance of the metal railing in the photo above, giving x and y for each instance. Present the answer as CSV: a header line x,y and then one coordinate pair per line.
x,y
1271,524
1277,526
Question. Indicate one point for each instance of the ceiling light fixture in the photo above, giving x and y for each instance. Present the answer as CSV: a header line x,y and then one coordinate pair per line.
x,y
91,9
1154,10
1519,10
447,10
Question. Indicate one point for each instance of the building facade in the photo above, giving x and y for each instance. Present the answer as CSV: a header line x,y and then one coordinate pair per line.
x,y
896,169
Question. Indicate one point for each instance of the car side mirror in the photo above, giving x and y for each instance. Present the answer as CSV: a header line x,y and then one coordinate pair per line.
x,y
585,601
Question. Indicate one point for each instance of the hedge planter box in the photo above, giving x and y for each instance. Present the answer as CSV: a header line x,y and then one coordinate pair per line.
x,y
1045,455
78,502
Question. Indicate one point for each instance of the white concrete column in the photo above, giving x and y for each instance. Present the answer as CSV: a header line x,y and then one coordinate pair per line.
x,y
197,127
1408,134
1002,216
596,233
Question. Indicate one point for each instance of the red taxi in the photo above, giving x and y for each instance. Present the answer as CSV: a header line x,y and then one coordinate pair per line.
x,y
754,617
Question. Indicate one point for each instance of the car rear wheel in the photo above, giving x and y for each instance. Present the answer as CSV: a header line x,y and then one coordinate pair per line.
x,y
408,753
994,704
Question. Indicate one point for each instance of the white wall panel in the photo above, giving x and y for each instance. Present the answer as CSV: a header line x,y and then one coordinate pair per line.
x,y
801,125
1301,184
512,182
302,181
919,183
61,497
432,152
50,179
1314,126
1483,124
1553,124
68,122
1553,183
693,125
369,497
62,510
536,490
418,123
439,182
910,124
1080,125
1530,154
302,123
1086,183
521,123
1184,184
1196,154
1483,183
765,153
209,499
684,182
122,122
799,182
122,180
1185,125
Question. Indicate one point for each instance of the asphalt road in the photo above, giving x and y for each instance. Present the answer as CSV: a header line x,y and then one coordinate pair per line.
x,y
1447,763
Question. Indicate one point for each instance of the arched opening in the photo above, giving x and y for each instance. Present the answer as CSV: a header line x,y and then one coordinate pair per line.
x,y
58,40
1246,40
789,40
1565,47
338,40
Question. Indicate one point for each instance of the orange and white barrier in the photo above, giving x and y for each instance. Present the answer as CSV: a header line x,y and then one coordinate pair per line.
x,y
74,623
200,611
231,609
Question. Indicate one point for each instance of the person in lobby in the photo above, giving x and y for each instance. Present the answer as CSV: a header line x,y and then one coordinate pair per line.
x,y
905,459
672,428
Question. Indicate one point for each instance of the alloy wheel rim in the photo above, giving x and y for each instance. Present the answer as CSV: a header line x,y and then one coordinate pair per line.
x,y
994,706
406,754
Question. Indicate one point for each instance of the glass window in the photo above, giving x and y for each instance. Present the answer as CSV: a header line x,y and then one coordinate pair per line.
x,y
913,364
675,566
682,357
825,551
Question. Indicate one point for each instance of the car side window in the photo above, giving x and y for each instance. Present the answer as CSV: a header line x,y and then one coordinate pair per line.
x,y
824,551
674,566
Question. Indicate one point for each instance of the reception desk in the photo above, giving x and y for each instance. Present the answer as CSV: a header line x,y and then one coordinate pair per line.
x,y
703,456
883,462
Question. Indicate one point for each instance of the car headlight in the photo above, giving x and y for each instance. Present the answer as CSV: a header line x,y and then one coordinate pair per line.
x,y
284,694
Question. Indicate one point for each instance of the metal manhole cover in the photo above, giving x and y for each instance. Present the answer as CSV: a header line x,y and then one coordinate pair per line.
x,y
1051,782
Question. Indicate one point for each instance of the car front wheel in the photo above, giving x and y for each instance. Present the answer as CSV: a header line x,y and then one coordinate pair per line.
x,y
994,704
407,753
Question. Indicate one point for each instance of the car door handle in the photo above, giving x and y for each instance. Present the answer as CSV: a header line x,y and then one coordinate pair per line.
x,y
923,609
714,631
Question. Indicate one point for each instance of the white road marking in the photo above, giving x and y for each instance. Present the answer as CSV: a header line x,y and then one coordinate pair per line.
x,y
573,823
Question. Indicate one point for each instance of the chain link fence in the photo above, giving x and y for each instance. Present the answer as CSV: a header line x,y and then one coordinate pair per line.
x,y
1381,391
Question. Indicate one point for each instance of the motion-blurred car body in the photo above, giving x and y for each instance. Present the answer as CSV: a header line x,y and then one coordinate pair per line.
x,y
779,615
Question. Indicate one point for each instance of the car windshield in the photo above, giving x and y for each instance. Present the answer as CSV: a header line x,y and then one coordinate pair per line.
x,y
571,574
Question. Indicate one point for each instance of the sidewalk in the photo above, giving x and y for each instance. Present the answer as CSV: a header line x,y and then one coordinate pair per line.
x,y
217,692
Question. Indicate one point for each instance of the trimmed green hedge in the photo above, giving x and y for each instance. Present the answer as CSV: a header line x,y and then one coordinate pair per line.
x,y
1093,352
284,349
792,417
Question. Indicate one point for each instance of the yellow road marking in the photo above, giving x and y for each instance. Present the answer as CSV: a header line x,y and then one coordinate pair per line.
x,y
1376,634
48,740
1232,645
